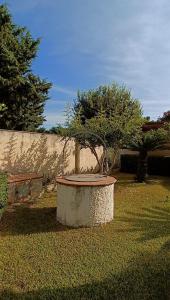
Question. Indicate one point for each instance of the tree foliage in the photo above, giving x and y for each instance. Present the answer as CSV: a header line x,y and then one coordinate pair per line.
x,y
115,101
22,92
107,116
166,117
2,107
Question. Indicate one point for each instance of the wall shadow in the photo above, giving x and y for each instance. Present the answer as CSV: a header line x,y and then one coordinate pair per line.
x,y
35,158
145,278
91,170
151,223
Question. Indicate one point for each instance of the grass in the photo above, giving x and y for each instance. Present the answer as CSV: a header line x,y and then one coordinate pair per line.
x,y
125,259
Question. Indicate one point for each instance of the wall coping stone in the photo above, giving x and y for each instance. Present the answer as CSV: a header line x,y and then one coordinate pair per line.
x,y
23,177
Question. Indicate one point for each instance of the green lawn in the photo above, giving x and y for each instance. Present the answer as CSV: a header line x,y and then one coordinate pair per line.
x,y
126,259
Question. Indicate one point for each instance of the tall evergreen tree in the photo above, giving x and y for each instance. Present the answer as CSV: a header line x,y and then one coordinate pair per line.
x,y
23,93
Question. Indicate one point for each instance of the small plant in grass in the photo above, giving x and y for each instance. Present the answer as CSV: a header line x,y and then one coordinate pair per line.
x,y
3,193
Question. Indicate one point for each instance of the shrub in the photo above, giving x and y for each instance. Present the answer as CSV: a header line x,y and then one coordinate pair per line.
x,y
157,165
3,192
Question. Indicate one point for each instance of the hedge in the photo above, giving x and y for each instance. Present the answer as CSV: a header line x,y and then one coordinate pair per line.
x,y
3,192
157,165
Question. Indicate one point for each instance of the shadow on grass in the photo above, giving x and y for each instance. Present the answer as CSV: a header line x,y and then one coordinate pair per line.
x,y
23,219
146,278
166,184
151,223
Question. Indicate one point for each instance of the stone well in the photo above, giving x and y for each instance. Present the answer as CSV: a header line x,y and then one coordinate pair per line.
x,y
85,200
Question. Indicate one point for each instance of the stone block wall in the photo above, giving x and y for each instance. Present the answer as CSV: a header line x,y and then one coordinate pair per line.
x,y
24,187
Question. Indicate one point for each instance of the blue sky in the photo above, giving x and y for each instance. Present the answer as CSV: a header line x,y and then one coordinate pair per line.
x,y
86,43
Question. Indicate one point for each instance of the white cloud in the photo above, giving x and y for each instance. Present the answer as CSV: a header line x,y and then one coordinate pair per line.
x,y
141,59
64,90
53,118
131,47
154,102
125,41
58,102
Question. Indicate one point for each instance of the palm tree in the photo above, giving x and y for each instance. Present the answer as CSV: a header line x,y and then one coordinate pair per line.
x,y
147,141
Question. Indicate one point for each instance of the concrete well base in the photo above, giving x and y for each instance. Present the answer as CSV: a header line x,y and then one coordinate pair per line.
x,y
85,206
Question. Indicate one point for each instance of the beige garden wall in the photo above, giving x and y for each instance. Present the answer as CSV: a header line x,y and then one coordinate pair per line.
x,y
41,153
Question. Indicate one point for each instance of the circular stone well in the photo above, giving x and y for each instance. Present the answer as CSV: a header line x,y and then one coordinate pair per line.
x,y
85,199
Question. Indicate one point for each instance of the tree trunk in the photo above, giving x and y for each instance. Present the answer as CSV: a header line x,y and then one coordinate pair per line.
x,y
142,166
115,161
105,162
98,160
77,157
